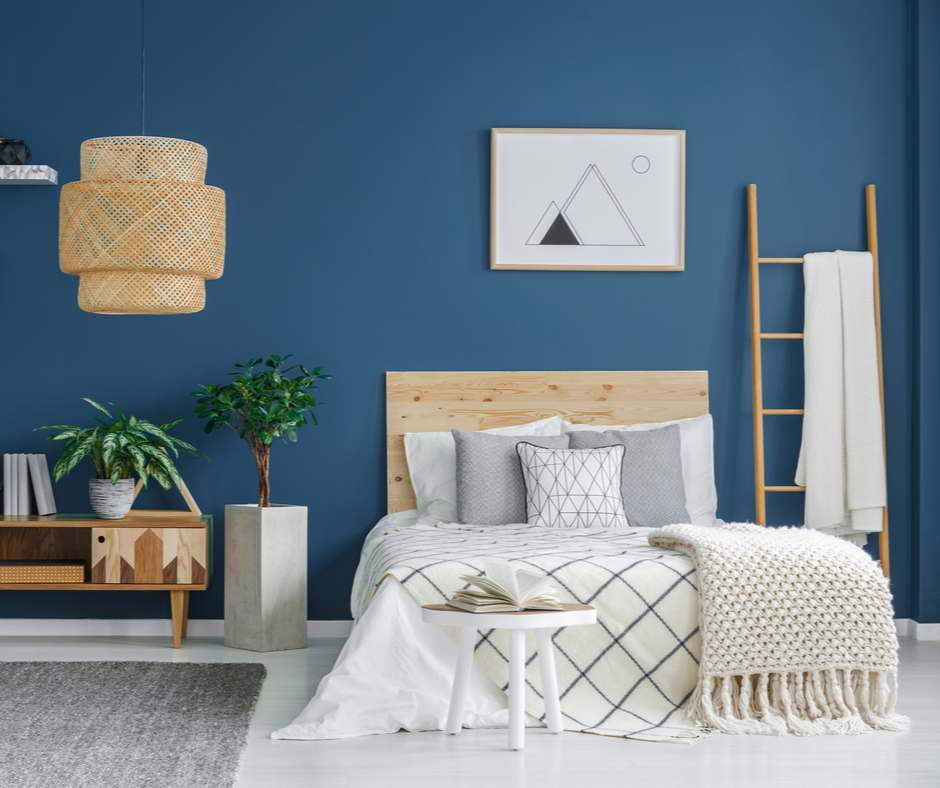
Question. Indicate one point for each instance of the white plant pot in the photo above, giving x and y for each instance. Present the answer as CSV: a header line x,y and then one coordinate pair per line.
x,y
265,577
111,501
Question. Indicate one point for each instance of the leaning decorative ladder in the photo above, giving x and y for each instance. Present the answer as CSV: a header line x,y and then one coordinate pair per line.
x,y
756,336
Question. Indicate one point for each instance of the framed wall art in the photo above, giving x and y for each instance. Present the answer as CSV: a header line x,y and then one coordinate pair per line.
x,y
587,200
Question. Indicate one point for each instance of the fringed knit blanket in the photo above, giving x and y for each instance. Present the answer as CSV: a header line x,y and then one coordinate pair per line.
x,y
797,632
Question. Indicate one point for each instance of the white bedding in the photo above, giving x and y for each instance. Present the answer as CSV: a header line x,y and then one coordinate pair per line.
x,y
395,671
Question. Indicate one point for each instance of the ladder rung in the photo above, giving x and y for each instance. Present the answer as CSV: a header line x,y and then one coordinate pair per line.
x,y
779,259
785,489
781,336
782,412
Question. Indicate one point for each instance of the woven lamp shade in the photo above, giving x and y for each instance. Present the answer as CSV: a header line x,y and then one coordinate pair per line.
x,y
141,229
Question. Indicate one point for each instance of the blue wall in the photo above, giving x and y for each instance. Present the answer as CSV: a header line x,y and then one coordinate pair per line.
x,y
352,140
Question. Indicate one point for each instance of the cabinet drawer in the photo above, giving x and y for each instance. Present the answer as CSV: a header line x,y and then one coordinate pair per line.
x,y
149,555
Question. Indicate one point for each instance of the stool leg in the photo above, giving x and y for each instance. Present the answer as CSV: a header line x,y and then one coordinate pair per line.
x,y
516,689
458,695
549,680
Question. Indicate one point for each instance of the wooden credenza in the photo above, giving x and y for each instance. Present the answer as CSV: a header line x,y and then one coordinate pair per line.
x,y
146,551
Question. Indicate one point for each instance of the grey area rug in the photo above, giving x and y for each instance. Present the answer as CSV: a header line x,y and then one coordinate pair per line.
x,y
124,724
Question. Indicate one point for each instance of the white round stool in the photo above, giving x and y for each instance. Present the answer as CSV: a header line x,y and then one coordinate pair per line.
x,y
543,622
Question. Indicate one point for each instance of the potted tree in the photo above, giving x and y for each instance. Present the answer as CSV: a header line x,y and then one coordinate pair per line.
x,y
265,543
119,448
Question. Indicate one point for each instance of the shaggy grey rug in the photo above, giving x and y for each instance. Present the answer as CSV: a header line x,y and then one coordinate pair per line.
x,y
124,724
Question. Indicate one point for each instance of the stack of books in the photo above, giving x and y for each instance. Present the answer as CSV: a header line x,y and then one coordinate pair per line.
x,y
27,486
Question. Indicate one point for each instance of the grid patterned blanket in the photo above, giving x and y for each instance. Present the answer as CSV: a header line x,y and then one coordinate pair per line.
x,y
628,675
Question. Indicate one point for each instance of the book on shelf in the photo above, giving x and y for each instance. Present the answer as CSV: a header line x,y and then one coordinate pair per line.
x,y
22,483
505,589
27,485
8,484
41,484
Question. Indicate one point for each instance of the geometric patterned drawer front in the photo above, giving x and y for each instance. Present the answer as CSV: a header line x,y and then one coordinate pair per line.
x,y
148,555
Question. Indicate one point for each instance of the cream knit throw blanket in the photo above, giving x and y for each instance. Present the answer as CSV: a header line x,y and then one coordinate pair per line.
x,y
797,632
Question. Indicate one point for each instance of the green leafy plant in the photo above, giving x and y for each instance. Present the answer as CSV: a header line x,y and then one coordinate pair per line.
x,y
121,447
261,406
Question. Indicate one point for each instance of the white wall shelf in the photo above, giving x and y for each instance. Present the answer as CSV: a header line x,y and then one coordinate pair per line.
x,y
27,175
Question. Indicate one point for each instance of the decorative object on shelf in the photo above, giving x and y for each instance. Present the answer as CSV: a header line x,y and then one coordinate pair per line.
x,y
27,175
587,200
120,448
111,500
14,152
261,407
141,229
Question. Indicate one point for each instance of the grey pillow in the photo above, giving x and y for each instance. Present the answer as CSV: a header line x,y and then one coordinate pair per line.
x,y
652,487
490,487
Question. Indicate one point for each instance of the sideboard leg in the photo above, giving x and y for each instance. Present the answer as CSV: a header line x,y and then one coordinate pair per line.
x,y
176,605
185,612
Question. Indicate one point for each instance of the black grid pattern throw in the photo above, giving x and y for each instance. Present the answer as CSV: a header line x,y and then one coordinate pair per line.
x,y
628,675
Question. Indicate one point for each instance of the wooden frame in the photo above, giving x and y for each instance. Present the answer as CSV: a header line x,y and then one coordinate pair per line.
x,y
440,401
622,173
760,486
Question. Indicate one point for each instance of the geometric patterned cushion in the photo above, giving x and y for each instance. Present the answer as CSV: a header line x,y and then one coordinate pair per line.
x,y
490,490
652,486
573,488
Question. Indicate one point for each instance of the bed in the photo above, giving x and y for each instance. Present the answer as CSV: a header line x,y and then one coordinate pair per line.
x,y
627,676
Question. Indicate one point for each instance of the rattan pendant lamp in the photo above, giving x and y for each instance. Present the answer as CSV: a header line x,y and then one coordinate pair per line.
x,y
141,229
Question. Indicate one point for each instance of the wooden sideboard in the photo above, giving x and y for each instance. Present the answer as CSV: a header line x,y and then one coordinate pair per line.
x,y
145,551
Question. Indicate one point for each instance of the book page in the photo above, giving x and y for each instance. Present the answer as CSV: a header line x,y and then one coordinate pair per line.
x,y
530,584
502,574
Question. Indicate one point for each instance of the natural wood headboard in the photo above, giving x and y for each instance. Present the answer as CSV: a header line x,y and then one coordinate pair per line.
x,y
440,401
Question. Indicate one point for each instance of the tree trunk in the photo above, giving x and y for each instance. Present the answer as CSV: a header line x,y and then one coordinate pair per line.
x,y
263,458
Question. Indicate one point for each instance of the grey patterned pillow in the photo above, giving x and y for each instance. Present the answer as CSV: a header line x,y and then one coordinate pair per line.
x,y
652,487
490,489
573,488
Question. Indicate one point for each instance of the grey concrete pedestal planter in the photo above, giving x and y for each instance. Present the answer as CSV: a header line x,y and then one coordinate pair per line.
x,y
265,577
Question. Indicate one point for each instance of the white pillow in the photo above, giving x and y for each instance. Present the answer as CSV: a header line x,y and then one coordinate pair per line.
x,y
432,465
698,461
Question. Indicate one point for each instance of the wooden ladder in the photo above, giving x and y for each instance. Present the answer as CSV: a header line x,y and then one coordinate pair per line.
x,y
760,411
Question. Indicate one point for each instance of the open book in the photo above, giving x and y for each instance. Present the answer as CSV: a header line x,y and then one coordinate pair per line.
x,y
504,589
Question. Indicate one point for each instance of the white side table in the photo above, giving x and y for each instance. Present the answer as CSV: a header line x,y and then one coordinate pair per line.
x,y
543,622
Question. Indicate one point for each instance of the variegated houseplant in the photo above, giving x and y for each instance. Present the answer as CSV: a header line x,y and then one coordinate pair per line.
x,y
119,448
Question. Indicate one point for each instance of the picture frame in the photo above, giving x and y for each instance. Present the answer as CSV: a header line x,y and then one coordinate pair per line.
x,y
587,200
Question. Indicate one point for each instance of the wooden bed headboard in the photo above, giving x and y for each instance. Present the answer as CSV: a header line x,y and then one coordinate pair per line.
x,y
440,401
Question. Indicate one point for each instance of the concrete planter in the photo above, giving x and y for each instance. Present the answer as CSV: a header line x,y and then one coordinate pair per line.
x,y
265,577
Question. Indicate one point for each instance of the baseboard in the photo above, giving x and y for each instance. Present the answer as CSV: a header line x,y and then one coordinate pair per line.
x,y
142,627
907,627
202,627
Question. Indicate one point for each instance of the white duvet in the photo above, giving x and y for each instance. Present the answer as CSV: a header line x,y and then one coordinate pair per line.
x,y
628,676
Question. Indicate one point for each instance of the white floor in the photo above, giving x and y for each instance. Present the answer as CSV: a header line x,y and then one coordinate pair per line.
x,y
480,758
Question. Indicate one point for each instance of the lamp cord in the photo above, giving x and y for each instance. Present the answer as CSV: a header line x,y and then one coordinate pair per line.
x,y
143,19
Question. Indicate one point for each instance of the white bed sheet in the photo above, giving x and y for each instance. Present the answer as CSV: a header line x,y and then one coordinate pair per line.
x,y
395,673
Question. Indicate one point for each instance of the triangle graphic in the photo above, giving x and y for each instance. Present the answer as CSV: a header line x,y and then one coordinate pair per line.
x,y
551,213
596,212
559,234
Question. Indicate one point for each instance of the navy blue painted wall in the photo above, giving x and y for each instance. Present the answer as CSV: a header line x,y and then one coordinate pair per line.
x,y
352,140
925,581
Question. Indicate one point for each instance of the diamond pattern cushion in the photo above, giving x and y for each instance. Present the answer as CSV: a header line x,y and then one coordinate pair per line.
x,y
652,486
490,490
573,488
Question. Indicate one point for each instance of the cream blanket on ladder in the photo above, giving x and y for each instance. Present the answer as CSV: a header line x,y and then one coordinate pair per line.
x,y
841,459
797,632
